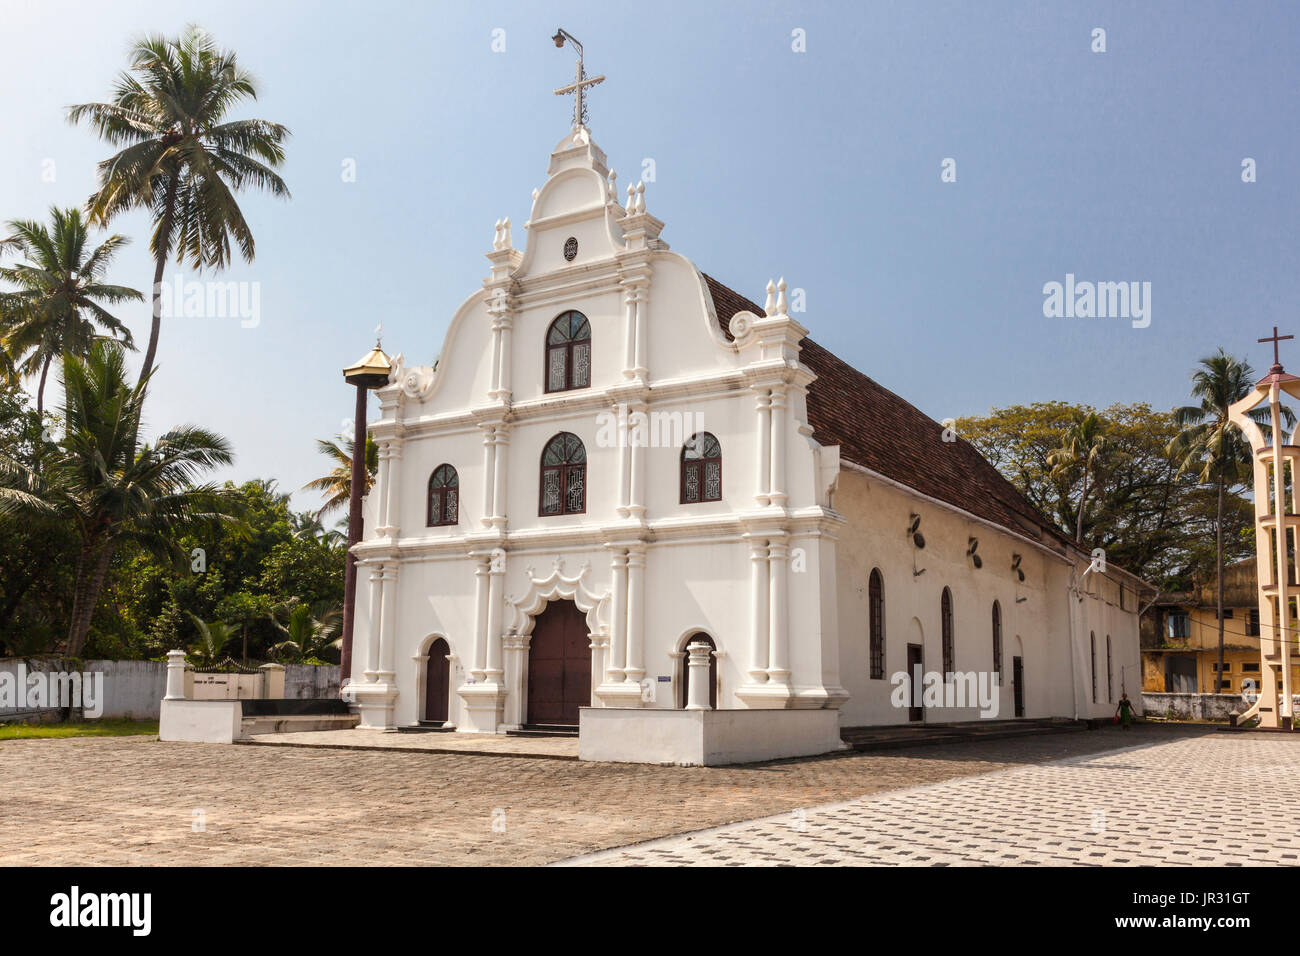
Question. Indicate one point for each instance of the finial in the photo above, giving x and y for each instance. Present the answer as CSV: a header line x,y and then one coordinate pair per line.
x,y
536,192
631,199
640,196
613,186
769,306
496,236
578,87
379,335
506,241
1275,338
782,304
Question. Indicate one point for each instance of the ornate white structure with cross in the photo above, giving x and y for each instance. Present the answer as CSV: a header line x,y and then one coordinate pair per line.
x,y
1277,523
624,478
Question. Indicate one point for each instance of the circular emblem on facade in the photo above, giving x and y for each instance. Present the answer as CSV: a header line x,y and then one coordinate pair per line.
x,y
570,249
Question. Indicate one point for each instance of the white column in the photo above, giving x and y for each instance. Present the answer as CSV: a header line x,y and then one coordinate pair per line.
x,y
624,459
763,404
176,676
381,485
641,438
388,621
507,327
778,445
642,306
778,671
496,586
391,467
635,669
372,636
759,597
489,472
481,567
629,354
618,618
697,679
501,441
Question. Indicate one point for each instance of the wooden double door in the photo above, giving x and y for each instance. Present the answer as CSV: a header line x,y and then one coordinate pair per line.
x,y
559,665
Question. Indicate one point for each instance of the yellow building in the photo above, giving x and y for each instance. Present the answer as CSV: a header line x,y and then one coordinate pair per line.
x,y
1180,637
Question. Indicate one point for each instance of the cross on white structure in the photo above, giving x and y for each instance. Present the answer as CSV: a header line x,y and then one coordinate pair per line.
x,y
580,83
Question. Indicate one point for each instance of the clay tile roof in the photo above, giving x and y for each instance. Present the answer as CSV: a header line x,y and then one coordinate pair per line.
x,y
879,430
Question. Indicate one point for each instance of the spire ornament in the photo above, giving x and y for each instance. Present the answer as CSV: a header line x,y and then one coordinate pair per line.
x,y
581,82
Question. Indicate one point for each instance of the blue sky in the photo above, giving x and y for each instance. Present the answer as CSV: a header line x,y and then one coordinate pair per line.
x,y
822,166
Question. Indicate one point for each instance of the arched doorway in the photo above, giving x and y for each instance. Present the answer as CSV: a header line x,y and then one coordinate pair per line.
x,y
559,665
683,682
437,682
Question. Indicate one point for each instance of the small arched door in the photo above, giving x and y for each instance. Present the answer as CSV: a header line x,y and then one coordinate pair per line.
x,y
437,682
684,684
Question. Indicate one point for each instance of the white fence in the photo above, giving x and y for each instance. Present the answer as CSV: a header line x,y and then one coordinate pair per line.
x,y
134,689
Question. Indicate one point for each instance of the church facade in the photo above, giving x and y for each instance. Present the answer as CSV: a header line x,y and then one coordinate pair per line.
x,y
617,457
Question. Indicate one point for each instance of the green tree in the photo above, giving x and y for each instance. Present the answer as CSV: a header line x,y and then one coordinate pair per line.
x,y
60,294
306,636
1082,446
336,486
109,487
1212,447
213,638
182,158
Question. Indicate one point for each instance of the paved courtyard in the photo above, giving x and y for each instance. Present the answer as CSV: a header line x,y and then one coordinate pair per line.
x,y
1181,802
138,801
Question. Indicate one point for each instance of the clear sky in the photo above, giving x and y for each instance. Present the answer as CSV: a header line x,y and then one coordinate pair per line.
x,y
823,166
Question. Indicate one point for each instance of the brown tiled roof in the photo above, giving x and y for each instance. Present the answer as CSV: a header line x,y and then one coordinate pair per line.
x,y
880,431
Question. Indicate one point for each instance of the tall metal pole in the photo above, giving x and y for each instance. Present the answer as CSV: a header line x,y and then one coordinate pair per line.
x,y
357,486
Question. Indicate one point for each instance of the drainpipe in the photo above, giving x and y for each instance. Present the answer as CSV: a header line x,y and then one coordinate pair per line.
x,y
1070,603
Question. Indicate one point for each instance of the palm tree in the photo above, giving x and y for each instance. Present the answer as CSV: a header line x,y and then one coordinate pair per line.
x,y
337,485
306,636
111,489
61,294
183,160
1083,443
1211,445
213,639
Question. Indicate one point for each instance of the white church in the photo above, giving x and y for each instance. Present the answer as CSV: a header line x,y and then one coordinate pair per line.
x,y
630,499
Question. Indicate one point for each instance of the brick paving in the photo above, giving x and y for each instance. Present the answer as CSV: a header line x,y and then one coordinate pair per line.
x,y
122,800
1182,802
559,748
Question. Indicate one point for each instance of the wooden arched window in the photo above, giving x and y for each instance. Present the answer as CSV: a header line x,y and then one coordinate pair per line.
x,y
997,638
876,623
684,694
701,469
1092,637
564,476
444,496
568,353
945,615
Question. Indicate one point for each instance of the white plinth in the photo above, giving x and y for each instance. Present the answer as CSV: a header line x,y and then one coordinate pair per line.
x,y
201,721
704,738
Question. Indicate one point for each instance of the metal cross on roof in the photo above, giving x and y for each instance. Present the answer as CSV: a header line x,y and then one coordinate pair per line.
x,y
580,84
1275,338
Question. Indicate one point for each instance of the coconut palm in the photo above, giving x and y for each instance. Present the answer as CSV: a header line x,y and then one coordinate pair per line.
x,y
183,160
60,298
111,489
1212,446
213,639
337,485
1083,444
306,636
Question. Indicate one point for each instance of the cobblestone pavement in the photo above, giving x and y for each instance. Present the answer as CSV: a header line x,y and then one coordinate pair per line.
x,y
560,748
1190,801
124,800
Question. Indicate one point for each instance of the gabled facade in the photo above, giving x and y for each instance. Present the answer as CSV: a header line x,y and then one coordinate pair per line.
x,y
617,457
